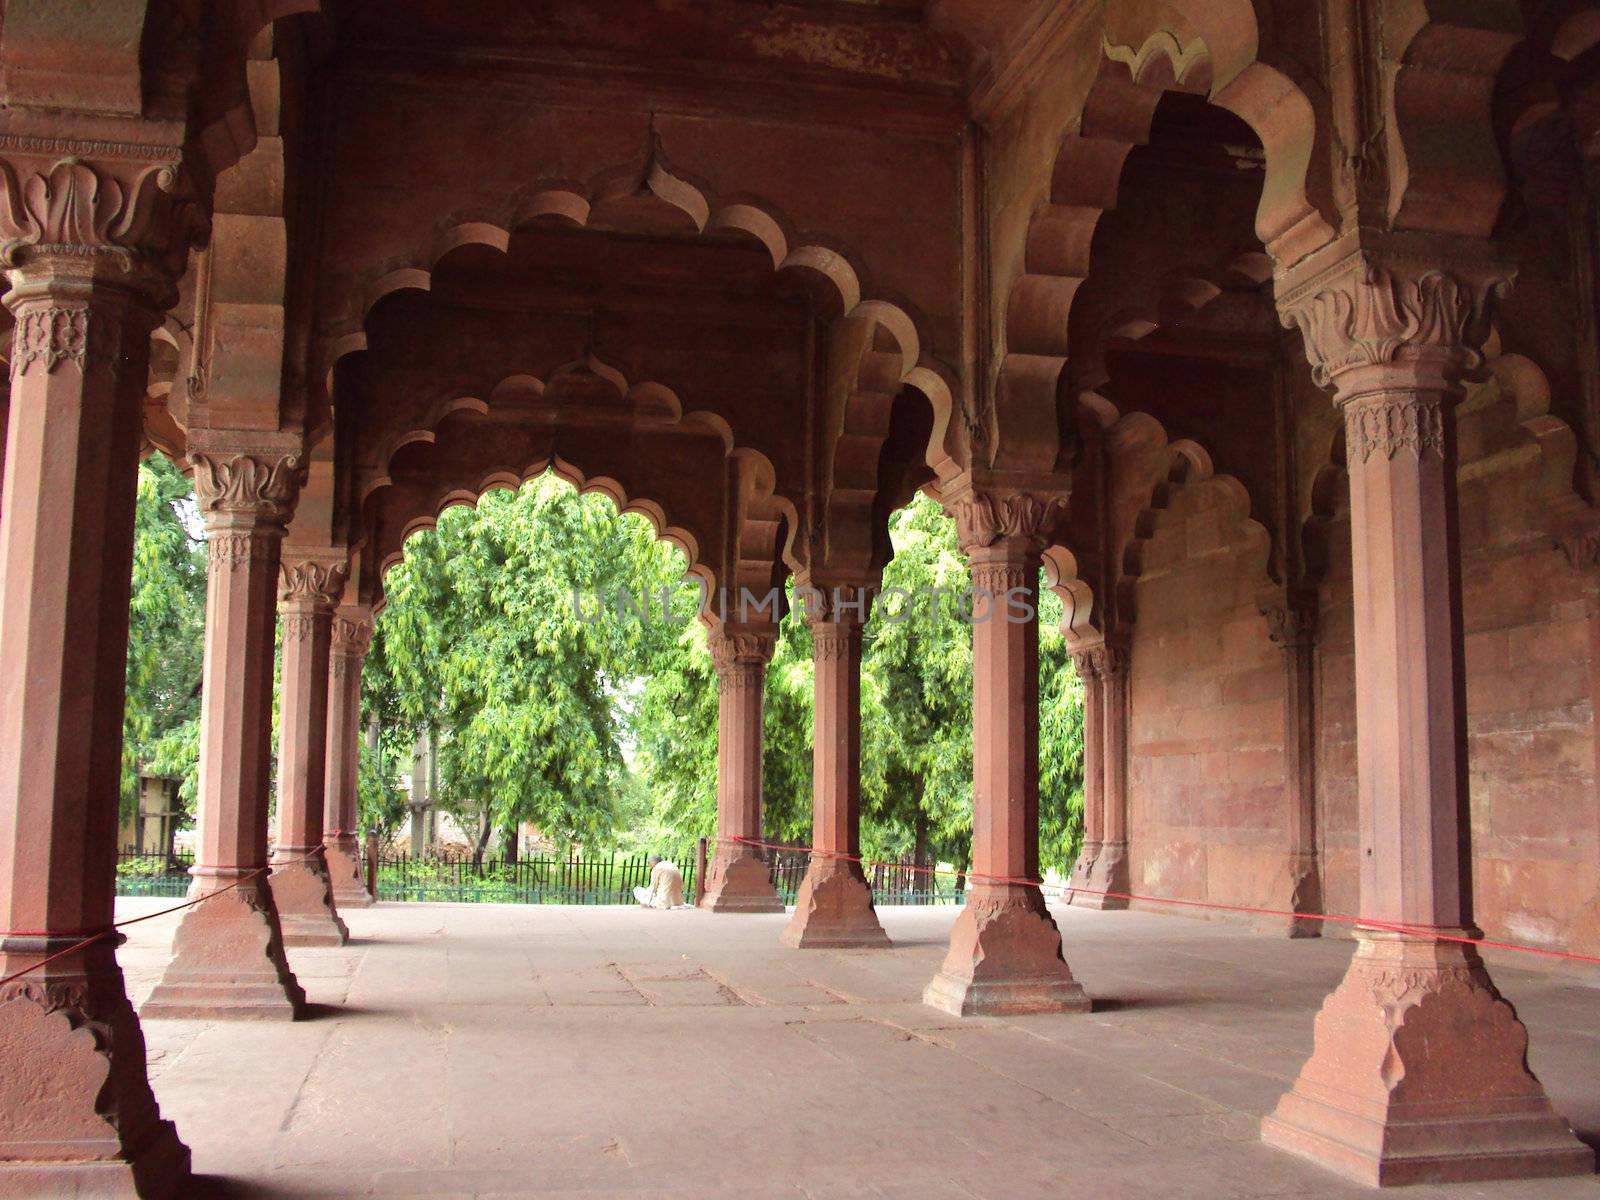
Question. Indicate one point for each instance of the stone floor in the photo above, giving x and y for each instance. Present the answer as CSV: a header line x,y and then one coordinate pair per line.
x,y
481,1050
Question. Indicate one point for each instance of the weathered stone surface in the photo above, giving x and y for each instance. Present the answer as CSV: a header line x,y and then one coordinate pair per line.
x,y
1420,1075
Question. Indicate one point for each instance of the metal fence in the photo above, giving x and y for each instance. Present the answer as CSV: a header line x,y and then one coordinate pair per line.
x,y
550,879
153,874
538,879
893,883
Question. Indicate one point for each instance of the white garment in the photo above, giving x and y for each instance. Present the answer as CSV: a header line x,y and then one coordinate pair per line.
x,y
665,889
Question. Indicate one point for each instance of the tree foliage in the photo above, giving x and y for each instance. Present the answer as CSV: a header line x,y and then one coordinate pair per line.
x,y
593,722
481,640
166,634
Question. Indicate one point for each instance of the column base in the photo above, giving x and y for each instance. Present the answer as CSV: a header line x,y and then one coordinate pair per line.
x,y
160,1170
1005,960
1102,868
1301,892
741,884
228,960
77,1116
347,873
833,910
1420,1075
304,895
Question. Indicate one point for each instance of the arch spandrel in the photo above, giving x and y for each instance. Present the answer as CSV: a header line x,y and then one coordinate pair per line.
x,y
1145,49
874,347
716,501
650,196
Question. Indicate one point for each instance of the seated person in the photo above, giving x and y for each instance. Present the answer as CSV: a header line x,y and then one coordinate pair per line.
x,y
665,889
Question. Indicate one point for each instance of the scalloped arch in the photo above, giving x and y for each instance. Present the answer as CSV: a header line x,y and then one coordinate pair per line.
x,y
1062,576
452,496
1187,464
575,205
1219,60
655,402
663,408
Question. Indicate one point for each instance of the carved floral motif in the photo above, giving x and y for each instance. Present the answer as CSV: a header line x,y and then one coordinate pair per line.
x,y
352,636
983,519
733,651
1389,424
234,550
836,642
1101,662
263,485
1366,313
78,209
313,581
1291,624
52,335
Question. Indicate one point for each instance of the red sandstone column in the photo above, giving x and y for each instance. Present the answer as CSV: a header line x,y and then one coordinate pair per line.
x,y
1005,950
352,636
300,883
76,1110
739,880
834,904
1292,626
228,958
1419,1071
1087,663
1108,881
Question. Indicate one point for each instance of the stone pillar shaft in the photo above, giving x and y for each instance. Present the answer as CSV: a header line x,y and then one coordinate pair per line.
x,y
836,749
1419,1072
1293,628
739,879
352,635
228,955
300,883
834,905
1005,951
1087,664
75,1102
1105,738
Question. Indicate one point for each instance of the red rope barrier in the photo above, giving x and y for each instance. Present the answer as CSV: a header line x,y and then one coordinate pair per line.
x,y
92,938
1068,889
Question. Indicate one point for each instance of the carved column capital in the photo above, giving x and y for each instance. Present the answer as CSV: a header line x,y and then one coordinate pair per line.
x,y
1100,662
312,583
836,641
986,518
1372,315
829,601
258,484
1089,663
1291,622
742,648
102,212
352,633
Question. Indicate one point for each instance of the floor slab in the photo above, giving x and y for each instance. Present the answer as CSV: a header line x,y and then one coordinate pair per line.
x,y
509,1051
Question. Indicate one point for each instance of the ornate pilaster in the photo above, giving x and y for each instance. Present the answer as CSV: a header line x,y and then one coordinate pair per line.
x,y
834,905
1005,950
1292,626
352,638
310,589
738,878
1088,663
1105,876
1419,1071
228,955
90,242
1580,545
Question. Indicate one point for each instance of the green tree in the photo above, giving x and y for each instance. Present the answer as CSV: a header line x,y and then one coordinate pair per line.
x,y
917,707
166,634
591,722
482,641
